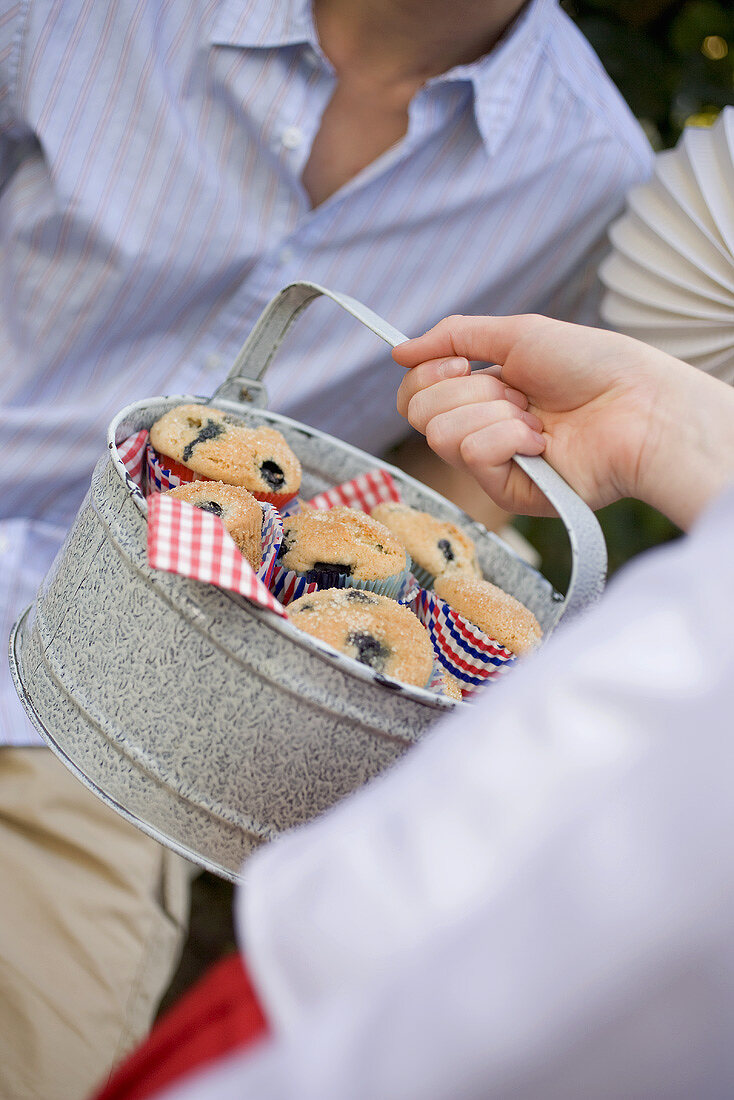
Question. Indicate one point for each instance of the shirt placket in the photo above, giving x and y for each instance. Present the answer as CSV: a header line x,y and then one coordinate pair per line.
x,y
289,140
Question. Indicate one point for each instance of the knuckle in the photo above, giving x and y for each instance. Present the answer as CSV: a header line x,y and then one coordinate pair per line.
x,y
471,449
455,330
436,432
416,408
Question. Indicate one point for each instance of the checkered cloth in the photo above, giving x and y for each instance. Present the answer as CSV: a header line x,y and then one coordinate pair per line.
x,y
364,492
132,453
184,539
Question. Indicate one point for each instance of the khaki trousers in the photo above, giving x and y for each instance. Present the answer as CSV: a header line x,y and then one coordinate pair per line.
x,y
93,916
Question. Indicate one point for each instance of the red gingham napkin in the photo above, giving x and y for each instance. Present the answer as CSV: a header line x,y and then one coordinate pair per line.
x,y
186,540
132,453
364,492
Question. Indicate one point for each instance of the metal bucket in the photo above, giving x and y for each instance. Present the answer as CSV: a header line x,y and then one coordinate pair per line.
x,y
210,723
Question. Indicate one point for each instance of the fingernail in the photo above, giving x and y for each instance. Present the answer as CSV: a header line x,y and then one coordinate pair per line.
x,y
516,397
454,368
539,439
533,421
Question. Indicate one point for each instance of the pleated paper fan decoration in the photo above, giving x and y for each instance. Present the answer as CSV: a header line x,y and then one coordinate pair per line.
x,y
670,276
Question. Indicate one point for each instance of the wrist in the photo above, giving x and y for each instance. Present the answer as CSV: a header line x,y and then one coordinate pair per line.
x,y
688,457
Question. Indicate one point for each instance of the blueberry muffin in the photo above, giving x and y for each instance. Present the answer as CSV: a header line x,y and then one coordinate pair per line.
x,y
435,545
212,444
372,629
238,510
498,614
342,547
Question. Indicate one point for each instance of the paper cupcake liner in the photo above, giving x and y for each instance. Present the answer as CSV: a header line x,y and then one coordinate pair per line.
x,y
410,592
435,680
464,650
164,473
422,576
272,536
281,501
288,585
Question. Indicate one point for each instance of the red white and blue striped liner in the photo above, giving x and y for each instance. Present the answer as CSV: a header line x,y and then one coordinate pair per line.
x,y
160,478
462,648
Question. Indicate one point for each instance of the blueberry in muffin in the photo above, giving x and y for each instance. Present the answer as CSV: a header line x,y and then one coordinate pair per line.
x,y
371,629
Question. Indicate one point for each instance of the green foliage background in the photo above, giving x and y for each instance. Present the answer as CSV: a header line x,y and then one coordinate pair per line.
x,y
664,56
673,61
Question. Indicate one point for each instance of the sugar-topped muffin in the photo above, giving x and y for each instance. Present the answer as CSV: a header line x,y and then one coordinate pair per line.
x,y
238,510
435,545
372,629
498,614
216,445
341,547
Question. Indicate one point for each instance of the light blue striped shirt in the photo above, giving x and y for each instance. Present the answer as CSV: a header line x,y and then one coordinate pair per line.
x,y
152,204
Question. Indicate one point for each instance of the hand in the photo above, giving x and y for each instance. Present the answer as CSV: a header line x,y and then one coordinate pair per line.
x,y
614,416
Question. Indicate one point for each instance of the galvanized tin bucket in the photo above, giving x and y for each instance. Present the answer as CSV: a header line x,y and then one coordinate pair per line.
x,y
210,723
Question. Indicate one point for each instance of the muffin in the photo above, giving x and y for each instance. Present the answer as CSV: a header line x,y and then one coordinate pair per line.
x,y
435,545
342,547
197,441
451,687
238,510
498,614
372,629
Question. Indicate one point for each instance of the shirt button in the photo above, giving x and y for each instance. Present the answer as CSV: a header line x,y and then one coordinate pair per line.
x,y
212,361
291,138
285,255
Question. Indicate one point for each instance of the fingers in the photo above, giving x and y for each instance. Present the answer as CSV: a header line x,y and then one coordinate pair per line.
x,y
428,374
494,445
489,339
480,387
487,454
500,427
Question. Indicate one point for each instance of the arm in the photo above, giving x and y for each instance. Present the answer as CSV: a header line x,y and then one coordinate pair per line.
x,y
615,417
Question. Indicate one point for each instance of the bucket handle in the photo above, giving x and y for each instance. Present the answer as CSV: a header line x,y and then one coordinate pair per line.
x,y
244,383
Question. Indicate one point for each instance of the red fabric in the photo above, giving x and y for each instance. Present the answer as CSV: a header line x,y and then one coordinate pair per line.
x,y
219,1015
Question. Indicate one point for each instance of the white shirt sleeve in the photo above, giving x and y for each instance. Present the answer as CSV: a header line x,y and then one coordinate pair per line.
x,y
545,916
341,901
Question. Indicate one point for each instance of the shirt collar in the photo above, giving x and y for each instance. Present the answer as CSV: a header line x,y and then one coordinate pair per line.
x,y
497,79
264,23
